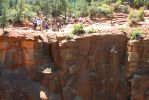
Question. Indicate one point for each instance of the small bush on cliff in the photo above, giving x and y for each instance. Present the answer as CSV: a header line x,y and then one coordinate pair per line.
x,y
103,10
69,36
78,29
136,16
138,3
93,12
121,8
91,30
136,34
146,4
124,30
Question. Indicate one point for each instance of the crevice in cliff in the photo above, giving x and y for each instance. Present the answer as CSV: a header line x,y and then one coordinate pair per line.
x,y
55,58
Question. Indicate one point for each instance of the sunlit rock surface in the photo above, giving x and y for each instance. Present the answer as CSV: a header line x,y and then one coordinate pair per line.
x,y
98,66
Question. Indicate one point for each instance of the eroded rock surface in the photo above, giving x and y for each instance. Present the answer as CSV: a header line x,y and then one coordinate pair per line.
x,y
138,69
93,67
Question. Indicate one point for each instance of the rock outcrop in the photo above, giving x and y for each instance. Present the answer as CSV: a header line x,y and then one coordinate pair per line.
x,y
22,61
90,67
138,69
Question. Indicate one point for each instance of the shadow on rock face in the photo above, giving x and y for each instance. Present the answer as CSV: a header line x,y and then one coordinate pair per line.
x,y
147,94
15,86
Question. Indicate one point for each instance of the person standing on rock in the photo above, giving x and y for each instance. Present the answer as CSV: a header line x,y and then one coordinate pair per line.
x,y
39,23
35,23
46,26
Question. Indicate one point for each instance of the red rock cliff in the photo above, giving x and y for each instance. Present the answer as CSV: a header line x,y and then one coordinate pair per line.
x,y
138,69
93,67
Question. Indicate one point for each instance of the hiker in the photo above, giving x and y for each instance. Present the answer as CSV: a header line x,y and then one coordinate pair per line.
x,y
35,23
58,25
39,23
46,26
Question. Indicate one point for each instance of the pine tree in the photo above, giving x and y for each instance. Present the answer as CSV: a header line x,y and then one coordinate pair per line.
x,y
4,13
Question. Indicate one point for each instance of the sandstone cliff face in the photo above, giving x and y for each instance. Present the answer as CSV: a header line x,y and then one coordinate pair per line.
x,y
30,54
138,56
93,67
21,64
17,51
138,69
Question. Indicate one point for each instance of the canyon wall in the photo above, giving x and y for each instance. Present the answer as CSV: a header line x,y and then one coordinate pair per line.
x,y
137,69
22,61
19,51
91,67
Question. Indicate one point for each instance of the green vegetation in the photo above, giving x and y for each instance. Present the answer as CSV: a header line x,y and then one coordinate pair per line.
x,y
5,14
91,30
78,29
138,3
70,36
136,33
22,10
120,8
123,29
147,4
136,16
14,11
105,10
102,10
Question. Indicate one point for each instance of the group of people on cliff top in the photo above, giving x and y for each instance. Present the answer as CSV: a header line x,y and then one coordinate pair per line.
x,y
43,23
40,22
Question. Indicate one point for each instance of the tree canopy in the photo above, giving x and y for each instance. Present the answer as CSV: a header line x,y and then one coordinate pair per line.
x,y
16,10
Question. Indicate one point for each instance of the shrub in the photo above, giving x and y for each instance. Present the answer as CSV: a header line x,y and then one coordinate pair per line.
x,y
102,10
83,12
147,4
69,36
119,1
121,8
78,29
91,30
136,33
123,29
105,11
136,16
115,6
138,3
93,12
22,10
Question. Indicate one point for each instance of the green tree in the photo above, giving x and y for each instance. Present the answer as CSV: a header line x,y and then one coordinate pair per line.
x,y
88,1
20,9
4,13
23,9
138,3
13,3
